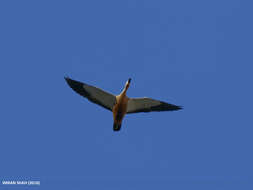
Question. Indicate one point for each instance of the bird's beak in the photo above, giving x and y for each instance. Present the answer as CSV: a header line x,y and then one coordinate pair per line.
x,y
129,80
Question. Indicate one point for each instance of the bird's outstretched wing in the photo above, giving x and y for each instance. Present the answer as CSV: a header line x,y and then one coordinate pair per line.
x,y
93,94
136,105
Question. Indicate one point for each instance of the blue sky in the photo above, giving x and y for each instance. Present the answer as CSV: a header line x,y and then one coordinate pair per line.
x,y
197,54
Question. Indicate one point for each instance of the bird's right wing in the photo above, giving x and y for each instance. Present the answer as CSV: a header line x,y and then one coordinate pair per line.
x,y
136,105
93,94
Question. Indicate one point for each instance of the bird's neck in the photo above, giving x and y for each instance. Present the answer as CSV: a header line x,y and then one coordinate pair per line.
x,y
124,90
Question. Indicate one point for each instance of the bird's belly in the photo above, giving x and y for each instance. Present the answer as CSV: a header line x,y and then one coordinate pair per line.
x,y
119,112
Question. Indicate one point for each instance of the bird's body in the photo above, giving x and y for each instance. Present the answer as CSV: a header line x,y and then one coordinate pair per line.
x,y
120,105
119,110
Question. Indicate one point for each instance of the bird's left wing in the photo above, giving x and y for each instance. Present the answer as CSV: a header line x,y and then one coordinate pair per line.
x,y
93,94
136,105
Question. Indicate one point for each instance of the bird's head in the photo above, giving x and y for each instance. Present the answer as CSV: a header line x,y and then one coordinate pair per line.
x,y
127,83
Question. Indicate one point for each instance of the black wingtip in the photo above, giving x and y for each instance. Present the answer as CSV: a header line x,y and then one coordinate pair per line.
x,y
66,78
168,107
129,80
179,107
76,86
175,108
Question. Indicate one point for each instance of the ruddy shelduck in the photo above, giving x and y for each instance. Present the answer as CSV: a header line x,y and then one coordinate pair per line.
x,y
120,105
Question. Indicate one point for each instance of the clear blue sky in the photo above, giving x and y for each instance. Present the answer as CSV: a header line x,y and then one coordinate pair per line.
x,y
197,54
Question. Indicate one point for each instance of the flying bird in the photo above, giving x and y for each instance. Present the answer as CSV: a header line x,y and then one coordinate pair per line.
x,y
120,105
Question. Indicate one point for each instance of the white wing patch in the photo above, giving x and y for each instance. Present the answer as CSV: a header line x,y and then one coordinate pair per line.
x,y
93,94
136,105
105,98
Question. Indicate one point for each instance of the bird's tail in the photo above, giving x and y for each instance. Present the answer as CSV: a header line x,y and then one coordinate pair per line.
x,y
116,126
